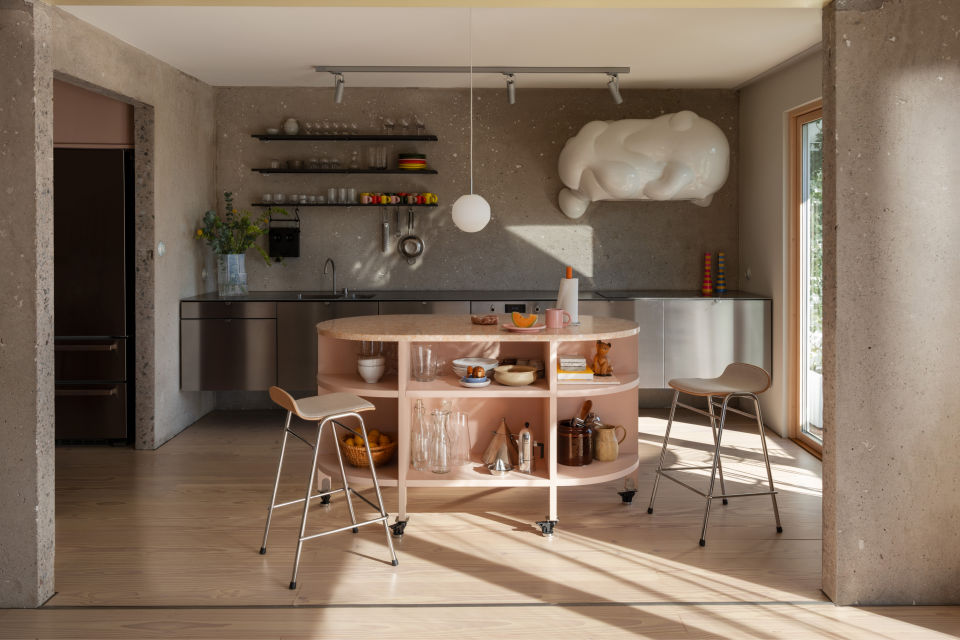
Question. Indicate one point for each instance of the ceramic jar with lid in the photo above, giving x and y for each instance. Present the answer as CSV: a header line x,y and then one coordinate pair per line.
x,y
574,443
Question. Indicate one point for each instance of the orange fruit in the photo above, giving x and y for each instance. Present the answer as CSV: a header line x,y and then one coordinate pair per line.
x,y
524,320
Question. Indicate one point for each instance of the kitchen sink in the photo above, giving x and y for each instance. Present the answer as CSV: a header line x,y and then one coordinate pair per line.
x,y
335,296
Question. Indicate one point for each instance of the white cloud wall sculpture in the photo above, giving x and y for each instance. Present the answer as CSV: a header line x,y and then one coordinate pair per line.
x,y
678,156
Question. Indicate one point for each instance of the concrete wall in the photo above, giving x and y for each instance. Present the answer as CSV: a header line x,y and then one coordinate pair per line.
x,y
26,322
174,134
891,272
653,245
764,195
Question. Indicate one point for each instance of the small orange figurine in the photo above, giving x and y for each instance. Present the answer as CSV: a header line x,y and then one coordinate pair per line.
x,y
601,366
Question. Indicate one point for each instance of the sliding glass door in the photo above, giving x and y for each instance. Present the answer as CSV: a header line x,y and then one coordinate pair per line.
x,y
807,273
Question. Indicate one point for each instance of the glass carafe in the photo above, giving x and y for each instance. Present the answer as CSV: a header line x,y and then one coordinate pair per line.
x,y
439,443
419,438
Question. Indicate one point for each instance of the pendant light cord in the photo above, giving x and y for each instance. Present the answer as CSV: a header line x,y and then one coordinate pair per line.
x,y
470,50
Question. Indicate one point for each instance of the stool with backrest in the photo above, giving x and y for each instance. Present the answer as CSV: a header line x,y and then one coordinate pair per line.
x,y
326,409
738,380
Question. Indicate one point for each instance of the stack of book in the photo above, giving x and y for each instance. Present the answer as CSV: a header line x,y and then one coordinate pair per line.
x,y
573,369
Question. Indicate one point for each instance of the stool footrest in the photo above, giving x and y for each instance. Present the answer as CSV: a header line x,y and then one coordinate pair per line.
x,y
663,472
313,497
349,526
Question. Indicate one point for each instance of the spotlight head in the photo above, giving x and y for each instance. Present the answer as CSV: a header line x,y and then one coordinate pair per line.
x,y
614,85
338,87
511,88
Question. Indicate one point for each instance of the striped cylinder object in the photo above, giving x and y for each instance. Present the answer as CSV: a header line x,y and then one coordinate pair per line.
x,y
707,288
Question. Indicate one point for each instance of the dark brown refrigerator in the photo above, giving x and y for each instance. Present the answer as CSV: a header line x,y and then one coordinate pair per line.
x,y
93,321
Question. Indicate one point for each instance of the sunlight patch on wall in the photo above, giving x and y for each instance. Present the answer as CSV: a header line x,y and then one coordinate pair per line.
x,y
568,244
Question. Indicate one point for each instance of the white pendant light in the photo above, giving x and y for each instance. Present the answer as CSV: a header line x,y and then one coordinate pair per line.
x,y
471,212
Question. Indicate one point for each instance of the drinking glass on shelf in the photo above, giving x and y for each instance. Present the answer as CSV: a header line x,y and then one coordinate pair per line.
x,y
279,198
388,125
372,162
321,199
404,126
354,160
308,127
325,127
354,129
342,194
317,127
324,162
421,125
439,444
382,157
460,438
332,195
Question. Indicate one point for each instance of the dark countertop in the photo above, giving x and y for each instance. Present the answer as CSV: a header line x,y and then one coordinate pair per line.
x,y
519,296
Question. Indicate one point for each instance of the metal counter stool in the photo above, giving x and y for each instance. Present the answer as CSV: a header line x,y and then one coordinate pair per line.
x,y
738,380
329,408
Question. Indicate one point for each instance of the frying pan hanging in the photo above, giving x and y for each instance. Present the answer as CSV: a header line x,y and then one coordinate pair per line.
x,y
410,246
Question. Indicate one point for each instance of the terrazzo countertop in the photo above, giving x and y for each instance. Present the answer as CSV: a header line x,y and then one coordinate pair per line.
x,y
459,328
518,295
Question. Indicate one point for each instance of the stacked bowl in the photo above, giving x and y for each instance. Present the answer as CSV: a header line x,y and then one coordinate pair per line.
x,y
371,368
460,365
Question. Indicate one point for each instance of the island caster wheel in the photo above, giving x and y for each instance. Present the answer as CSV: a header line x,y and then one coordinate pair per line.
x,y
546,526
398,527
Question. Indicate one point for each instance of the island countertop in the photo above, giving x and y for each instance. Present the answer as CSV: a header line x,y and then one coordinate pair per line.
x,y
459,328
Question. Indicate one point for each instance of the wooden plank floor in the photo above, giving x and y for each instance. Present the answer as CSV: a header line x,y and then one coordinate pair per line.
x,y
164,544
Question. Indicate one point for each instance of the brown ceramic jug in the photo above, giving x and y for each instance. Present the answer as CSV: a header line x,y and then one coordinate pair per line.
x,y
606,444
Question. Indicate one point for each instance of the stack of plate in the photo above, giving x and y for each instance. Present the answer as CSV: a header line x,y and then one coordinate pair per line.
x,y
460,365
412,161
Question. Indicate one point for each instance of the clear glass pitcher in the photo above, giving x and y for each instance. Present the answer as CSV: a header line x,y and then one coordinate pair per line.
x,y
424,363
440,444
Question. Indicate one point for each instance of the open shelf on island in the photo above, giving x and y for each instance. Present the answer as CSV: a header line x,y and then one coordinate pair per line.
x,y
476,474
356,476
597,472
625,381
353,383
450,387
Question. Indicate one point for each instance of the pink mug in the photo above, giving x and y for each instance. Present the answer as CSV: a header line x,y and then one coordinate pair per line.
x,y
557,318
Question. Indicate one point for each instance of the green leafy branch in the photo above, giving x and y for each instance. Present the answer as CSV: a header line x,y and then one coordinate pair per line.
x,y
235,231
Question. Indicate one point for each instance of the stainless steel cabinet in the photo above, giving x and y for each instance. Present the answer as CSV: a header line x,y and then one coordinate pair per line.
x,y
297,337
424,306
237,352
649,315
509,306
701,337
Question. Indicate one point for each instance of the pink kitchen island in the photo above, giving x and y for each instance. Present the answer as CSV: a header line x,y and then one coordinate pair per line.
x,y
542,403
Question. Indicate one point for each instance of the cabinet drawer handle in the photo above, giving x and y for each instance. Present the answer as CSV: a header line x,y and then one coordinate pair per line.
x,y
112,391
113,346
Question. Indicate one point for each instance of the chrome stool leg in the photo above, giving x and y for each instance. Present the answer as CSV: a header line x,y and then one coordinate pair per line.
x,y
306,506
663,451
766,461
713,471
343,476
376,487
276,483
713,427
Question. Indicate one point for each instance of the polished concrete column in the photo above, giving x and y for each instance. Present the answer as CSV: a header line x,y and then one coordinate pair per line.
x,y
26,318
892,301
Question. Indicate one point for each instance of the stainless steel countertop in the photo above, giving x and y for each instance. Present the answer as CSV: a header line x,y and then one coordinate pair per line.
x,y
520,296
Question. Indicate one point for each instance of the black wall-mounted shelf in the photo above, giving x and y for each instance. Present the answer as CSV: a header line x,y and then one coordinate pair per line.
x,y
290,205
407,172
361,137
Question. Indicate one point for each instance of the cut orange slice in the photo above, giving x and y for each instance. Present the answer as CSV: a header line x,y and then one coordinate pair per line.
x,y
523,320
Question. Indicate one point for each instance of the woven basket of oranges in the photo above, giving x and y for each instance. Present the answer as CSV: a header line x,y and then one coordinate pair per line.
x,y
382,448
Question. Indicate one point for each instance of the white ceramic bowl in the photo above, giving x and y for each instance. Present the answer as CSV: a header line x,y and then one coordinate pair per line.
x,y
514,375
371,373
